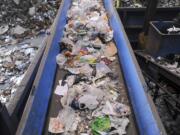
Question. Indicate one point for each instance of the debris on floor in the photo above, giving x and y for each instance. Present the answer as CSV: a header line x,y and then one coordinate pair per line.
x,y
143,3
170,62
22,23
128,3
171,65
14,62
30,17
169,3
166,97
89,91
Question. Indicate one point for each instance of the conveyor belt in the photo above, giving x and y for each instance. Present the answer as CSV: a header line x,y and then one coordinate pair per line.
x,y
55,101
34,120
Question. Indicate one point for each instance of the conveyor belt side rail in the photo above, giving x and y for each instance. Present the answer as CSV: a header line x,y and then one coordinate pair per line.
x,y
144,116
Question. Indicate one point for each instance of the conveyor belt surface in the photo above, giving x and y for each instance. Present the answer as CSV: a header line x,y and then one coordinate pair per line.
x,y
144,116
55,105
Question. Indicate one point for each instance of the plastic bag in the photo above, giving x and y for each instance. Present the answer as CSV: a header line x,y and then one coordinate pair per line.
x,y
110,50
102,70
88,101
101,124
119,124
88,59
61,60
55,126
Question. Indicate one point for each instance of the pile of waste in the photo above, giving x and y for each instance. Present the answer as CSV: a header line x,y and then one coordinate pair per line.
x,y
167,114
171,62
14,61
164,93
25,18
90,91
128,3
169,3
144,3
21,22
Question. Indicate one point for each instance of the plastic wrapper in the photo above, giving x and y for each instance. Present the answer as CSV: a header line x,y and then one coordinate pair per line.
x,y
88,101
61,60
120,125
110,50
101,124
69,119
61,90
55,126
102,70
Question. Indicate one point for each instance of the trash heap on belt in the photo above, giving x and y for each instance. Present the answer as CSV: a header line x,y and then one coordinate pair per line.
x,y
22,22
91,89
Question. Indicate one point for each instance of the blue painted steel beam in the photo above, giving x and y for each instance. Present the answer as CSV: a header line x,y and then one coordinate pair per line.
x,y
145,120
37,116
